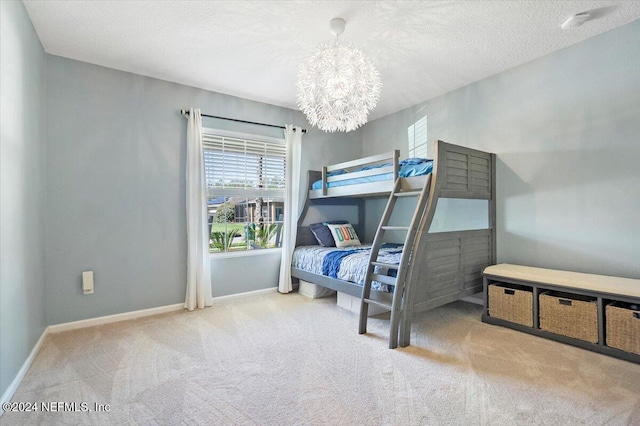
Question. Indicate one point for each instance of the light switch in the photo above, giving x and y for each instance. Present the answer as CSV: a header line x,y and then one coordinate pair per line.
x,y
87,282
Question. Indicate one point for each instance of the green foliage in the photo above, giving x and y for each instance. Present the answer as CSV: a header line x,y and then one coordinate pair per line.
x,y
221,240
276,182
261,235
219,227
238,183
226,212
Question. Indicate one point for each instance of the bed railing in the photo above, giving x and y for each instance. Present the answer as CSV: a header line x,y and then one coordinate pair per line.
x,y
353,169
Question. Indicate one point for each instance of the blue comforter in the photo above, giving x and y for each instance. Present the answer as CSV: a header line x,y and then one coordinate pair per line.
x,y
333,260
348,263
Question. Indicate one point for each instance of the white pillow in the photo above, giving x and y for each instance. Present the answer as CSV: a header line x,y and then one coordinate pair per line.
x,y
344,235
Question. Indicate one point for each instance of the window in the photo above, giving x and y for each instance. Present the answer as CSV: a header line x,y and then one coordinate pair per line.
x,y
245,191
418,142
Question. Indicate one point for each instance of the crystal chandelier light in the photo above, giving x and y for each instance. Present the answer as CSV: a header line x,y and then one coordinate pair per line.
x,y
338,86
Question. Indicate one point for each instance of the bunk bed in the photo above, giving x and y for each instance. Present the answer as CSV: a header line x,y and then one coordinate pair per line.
x,y
435,268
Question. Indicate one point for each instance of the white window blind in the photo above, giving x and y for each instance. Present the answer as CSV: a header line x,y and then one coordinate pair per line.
x,y
418,142
243,167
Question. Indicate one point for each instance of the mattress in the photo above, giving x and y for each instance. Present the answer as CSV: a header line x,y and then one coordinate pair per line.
x,y
408,168
347,263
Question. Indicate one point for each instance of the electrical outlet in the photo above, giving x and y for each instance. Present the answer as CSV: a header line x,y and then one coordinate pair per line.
x,y
87,282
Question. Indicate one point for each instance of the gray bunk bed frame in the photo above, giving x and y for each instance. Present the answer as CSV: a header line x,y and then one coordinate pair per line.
x,y
443,266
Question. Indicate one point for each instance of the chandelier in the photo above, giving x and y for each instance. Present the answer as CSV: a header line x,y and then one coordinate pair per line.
x,y
338,86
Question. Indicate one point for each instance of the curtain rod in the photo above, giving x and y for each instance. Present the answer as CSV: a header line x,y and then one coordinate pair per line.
x,y
185,113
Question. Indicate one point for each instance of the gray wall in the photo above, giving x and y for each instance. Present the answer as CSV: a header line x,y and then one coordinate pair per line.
x,y
22,189
566,130
116,187
240,274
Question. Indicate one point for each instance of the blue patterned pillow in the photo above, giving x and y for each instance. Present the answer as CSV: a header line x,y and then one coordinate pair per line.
x,y
323,234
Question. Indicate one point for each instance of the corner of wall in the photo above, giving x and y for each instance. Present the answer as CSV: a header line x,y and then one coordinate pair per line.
x,y
23,194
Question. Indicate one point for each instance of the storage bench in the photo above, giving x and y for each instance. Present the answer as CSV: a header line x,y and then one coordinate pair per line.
x,y
594,312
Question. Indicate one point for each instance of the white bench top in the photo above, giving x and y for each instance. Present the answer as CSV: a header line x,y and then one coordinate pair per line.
x,y
600,283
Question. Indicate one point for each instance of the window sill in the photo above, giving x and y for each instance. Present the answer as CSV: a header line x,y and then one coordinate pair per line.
x,y
247,253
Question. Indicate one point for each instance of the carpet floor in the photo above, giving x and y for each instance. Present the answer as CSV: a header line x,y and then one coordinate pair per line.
x,y
288,360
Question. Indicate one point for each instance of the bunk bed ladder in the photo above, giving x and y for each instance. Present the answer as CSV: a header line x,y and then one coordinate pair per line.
x,y
400,280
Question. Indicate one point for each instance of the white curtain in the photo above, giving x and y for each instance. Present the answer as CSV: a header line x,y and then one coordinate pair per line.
x,y
198,266
293,138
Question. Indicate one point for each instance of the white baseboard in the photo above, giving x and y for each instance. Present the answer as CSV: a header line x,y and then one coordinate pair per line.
x,y
8,394
74,325
243,295
146,312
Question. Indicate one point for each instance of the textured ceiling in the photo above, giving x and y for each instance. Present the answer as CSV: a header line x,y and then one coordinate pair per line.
x,y
252,49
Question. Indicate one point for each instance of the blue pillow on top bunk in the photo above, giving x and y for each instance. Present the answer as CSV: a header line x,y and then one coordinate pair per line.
x,y
375,166
323,234
413,161
418,169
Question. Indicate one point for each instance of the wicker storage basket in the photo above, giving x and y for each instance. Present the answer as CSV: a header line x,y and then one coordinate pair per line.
x,y
623,326
569,315
511,303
